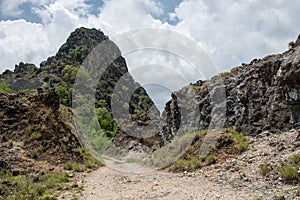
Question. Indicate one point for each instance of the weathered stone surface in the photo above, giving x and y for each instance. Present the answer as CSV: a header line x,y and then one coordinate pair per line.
x,y
34,132
261,96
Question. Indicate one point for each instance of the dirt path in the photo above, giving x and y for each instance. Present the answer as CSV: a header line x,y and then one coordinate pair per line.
x,y
106,183
235,178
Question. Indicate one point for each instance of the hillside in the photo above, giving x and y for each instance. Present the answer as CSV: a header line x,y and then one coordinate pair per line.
x,y
261,96
38,130
240,127
59,72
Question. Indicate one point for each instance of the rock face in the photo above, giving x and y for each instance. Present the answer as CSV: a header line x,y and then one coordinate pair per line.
x,y
35,132
59,72
263,95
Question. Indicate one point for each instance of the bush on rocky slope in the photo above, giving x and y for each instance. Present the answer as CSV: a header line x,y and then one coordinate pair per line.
x,y
228,144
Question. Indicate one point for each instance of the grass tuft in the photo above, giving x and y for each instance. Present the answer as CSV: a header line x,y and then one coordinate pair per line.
x,y
240,140
21,187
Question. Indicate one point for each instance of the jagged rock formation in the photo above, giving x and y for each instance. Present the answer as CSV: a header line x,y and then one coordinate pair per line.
x,y
59,72
263,95
35,132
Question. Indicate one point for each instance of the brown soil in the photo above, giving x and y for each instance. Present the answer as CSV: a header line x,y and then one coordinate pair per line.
x,y
238,177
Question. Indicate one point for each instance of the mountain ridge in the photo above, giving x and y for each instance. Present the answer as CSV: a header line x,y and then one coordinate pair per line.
x,y
259,98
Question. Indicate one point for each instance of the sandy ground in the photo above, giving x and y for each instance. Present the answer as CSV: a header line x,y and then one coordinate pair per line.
x,y
106,183
235,178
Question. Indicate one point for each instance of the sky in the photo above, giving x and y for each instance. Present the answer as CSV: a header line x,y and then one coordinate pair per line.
x,y
231,32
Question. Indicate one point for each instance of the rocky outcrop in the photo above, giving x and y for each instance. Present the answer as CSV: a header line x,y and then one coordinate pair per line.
x,y
34,132
59,72
263,95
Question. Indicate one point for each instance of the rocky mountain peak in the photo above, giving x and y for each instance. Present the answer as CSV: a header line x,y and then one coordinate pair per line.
x,y
81,40
77,47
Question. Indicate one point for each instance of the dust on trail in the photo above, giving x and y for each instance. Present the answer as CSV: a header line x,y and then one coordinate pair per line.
x,y
110,184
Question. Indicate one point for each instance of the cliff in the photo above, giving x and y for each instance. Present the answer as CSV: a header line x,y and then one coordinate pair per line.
x,y
261,96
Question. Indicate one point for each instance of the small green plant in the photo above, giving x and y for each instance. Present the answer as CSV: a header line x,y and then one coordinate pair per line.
x,y
291,44
89,161
189,164
65,94
295,159
21,187
33,90
74,166
200,134
241,141
106,122
4,87
198,88
265,169
289,173
209,159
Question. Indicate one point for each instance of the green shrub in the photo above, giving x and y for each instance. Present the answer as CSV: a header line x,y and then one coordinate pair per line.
x,y
169,152
190,164
200,134
106,122
198,88
65,95
32,90
20,187
69,73
289,173
265,169
240,141
4,87
74,166
291,44
89,160
209,159
295,159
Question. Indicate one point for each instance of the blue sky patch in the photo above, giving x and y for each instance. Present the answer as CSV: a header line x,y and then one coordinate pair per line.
x,y
169,6
26,13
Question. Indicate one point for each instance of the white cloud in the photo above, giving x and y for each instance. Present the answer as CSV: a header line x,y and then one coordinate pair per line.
x,y
238,31
231,31
34,42
11,8
21,41
120,16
